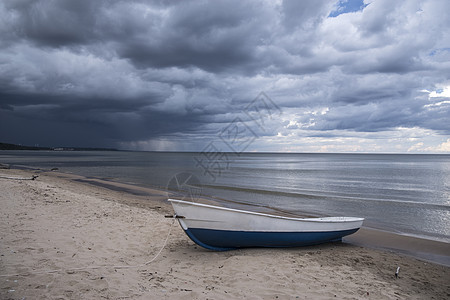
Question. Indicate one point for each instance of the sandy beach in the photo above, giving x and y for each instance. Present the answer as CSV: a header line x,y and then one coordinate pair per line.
x,y
68,237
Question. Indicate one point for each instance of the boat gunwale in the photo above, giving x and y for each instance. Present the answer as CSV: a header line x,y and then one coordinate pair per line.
x,y
315,220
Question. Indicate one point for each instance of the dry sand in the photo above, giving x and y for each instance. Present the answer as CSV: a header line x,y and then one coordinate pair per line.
x,y
63,239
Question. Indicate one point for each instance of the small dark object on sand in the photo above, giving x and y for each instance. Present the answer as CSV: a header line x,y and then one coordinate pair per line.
x,y
54,169
4,166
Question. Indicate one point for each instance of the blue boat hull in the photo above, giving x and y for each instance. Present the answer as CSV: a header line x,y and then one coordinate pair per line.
x,y
221,240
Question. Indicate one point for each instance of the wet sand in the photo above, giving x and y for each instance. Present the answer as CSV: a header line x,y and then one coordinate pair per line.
x,y
427,250
68,237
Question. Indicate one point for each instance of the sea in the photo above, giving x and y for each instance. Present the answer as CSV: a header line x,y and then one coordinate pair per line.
x,y
407,194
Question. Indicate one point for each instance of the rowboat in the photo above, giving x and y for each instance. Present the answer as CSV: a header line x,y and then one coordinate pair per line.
x,y
221,228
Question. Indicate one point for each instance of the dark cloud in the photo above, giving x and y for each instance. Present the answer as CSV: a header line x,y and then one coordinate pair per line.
x,y
214,38
54,23
127,73
304,14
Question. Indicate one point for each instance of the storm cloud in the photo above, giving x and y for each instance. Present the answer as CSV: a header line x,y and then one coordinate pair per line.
x,y
370,76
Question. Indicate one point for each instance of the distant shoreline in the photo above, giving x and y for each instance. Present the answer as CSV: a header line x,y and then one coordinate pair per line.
x,y
6,146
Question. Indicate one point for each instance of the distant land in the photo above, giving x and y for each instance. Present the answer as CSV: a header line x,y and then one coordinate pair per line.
x,y
6,146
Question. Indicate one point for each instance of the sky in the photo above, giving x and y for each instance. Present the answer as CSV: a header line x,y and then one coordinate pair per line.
x,y
269,76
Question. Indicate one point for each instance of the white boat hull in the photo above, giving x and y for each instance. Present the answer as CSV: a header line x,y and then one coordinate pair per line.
x,y
220,228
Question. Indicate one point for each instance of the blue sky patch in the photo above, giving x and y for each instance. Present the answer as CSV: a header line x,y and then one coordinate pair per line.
x,y
348,6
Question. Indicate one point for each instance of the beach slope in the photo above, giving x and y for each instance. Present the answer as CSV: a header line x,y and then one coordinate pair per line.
x,y
66,239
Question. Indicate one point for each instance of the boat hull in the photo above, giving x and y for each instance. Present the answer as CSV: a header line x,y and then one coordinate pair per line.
x,y
219,228
227,240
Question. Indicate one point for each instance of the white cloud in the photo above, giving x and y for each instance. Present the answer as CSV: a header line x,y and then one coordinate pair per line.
x,y
416,147
443,92
444,147
421,147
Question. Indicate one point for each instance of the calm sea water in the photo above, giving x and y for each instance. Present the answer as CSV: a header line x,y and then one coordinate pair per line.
x,y
408,194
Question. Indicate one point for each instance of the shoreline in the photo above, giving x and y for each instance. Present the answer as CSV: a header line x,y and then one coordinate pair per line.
x,y
429,250
70,240
404,221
